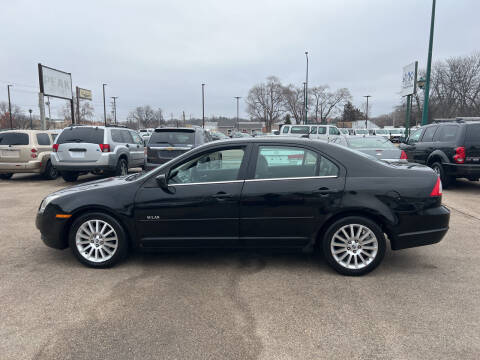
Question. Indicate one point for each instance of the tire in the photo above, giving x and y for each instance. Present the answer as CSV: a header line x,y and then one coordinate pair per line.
x,y
368,253
103,247
121,168
446,179
50,172
70,176
6,176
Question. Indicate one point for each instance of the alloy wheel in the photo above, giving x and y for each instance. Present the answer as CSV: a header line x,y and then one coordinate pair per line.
x,y
96,240
354,246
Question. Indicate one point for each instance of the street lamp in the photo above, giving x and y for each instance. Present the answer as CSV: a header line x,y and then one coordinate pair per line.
x,y
203,106
104,106
238,98
429,67
31,122
10,107
421,82
306,89
366,115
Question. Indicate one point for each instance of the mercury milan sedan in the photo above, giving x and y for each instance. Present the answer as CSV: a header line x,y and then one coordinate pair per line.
x,y
282,193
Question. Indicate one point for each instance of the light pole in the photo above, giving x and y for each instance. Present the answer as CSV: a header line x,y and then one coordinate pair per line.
x,y
238,98
429,67
115,108
31,122
10,107
366,115
306,90
304,100
203,105
104,106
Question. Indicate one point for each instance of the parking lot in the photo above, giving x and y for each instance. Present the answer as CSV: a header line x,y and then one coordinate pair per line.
x,y
420,303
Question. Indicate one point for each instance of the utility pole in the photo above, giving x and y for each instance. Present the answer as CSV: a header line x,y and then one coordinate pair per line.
x,y
115,108
10,107
183,114
31,122
104,106
304,101
306,90
203,105
49,113
366,115
429,68
238,98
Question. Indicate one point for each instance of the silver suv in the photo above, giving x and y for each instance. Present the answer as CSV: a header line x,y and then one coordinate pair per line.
x,y
111,150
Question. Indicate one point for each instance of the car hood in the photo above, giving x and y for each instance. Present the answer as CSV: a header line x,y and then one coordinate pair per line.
x,y
91,185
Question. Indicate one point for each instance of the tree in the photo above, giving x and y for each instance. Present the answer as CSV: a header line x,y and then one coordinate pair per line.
x,y
351,113
328,103
19,120
287,120
294,102
265,101
146,117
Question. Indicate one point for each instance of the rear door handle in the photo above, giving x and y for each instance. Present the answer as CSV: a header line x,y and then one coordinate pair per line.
x,y
324,191
222,195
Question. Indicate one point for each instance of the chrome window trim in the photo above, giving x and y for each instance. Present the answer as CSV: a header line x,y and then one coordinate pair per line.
x,y
209,182
295,178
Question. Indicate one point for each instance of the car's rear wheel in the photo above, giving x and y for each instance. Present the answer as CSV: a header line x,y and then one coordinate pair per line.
x,y
354,245
98,240
70,176
50,172
6,176
446,179
122,168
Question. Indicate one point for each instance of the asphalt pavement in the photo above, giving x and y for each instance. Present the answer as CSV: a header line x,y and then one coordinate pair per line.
x,y
421,303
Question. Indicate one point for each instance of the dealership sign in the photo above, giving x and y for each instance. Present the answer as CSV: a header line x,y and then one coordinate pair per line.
x,y
54,82
84,94
409,79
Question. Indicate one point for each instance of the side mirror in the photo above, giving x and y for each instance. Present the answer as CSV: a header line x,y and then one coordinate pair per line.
x,y
162,182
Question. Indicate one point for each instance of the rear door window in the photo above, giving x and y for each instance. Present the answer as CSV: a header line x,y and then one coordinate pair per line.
x,y
472,136
333,131
127,137
428,135
300,130
13,138
81,135
446,133
43,139
322,130
313,130
116,135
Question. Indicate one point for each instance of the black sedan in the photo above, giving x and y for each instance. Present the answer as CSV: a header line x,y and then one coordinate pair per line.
x,y
282,193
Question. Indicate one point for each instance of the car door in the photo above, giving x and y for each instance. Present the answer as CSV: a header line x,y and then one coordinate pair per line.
x,y
289,192
137,150
200,208
411,145
426,146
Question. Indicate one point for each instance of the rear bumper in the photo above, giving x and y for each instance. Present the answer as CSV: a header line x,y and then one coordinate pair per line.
x,y
462,170
28,167
105,162
424,228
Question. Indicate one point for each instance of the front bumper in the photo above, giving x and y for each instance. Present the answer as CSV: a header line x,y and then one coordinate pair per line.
x,y
423,228
462,170
34,166
52,229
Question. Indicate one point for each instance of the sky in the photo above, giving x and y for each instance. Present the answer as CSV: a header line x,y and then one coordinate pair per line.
x,y
159,53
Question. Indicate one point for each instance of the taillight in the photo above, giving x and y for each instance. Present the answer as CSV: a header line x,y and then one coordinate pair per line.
x,y
104,147
437,189
55,147
403,156
33,153
460,155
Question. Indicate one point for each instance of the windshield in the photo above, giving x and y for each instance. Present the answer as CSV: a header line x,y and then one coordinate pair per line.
x,y
13,138
81,135
370,142
173,137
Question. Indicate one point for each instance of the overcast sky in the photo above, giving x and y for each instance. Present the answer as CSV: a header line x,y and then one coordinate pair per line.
x,y
159,52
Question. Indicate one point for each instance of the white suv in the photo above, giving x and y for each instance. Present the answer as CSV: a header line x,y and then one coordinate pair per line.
x,y
111,150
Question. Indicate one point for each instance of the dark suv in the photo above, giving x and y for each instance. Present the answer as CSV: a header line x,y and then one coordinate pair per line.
x,y
168,143
451,148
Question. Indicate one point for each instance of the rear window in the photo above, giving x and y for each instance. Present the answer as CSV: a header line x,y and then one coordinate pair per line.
x,y
473,134
370,143
173,137
13,138
81,135
300,130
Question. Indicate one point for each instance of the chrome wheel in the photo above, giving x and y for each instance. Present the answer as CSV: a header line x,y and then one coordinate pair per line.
x,y
96,240
437,170
354,246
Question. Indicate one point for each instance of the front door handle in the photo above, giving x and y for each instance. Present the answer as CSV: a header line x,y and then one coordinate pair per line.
x,y
222,195
324,191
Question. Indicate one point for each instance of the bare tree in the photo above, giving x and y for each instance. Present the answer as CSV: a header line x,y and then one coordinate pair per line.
x,y
19,120
294,102
327,103
146,117
265,101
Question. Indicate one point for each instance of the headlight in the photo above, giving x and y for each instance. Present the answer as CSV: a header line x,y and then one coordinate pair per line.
x,y
46,201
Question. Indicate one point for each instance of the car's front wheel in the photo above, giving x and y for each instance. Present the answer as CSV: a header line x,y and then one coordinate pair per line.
x,y
50,172
6,176
98,240
354,245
